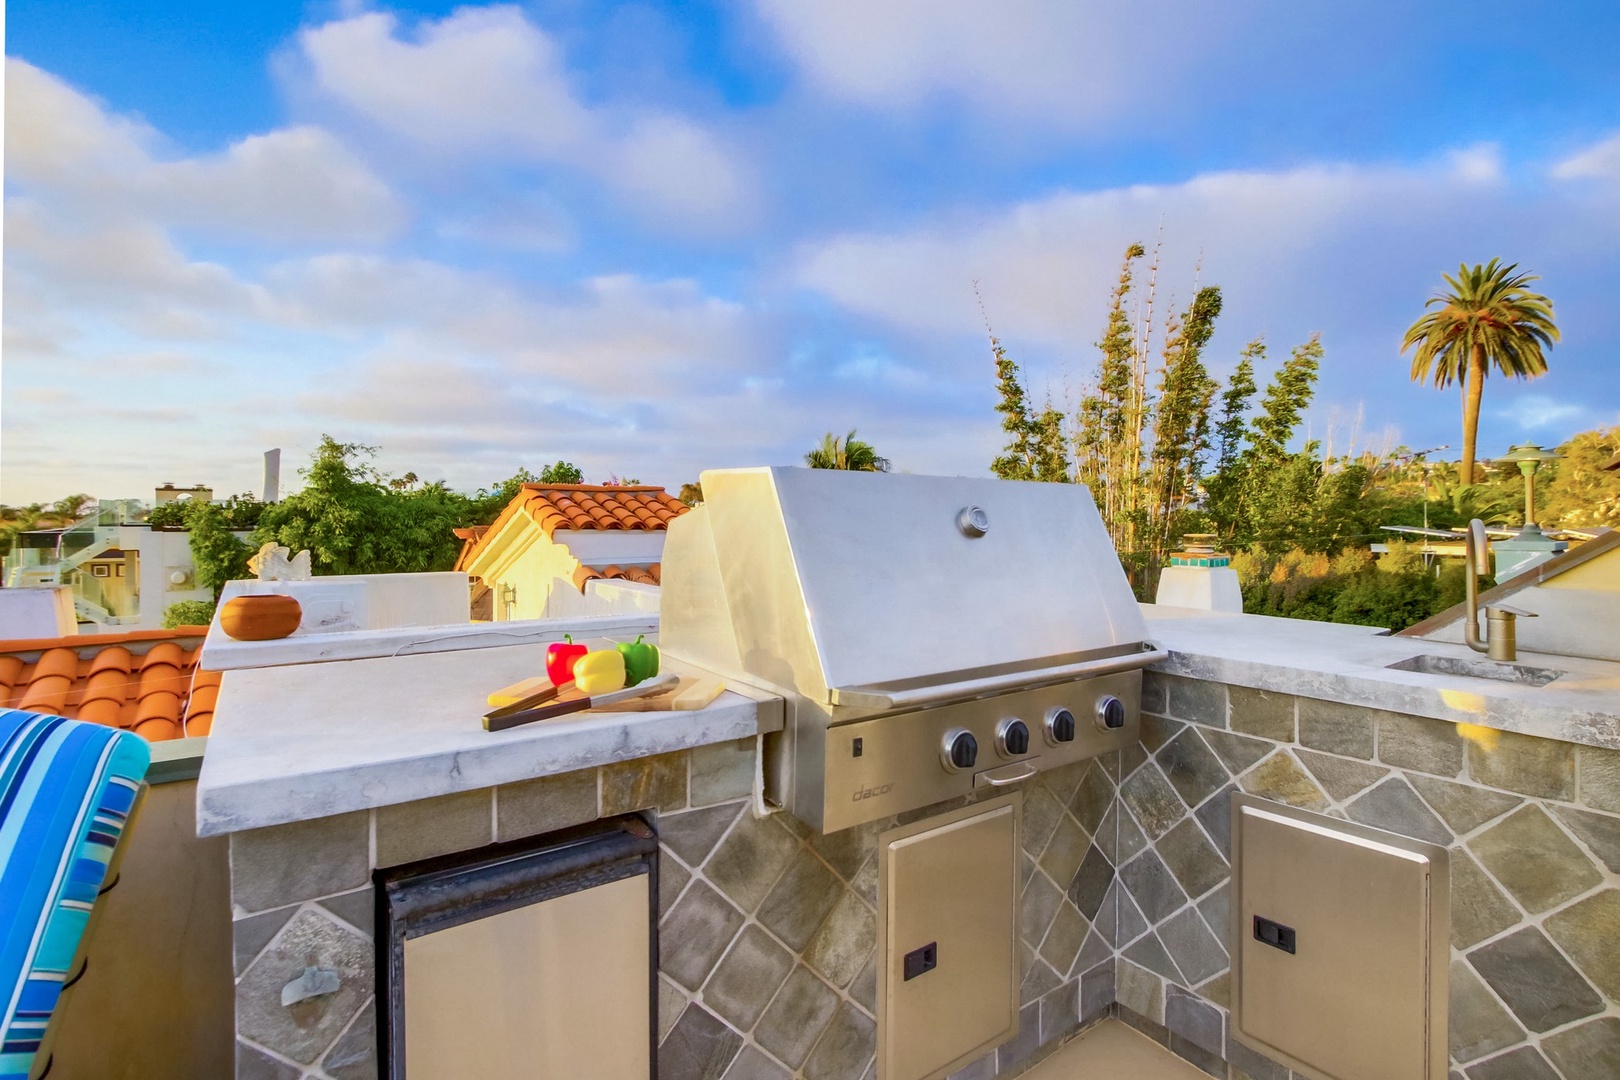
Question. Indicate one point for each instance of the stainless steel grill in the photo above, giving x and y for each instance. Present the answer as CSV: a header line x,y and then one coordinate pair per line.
x,y
930,635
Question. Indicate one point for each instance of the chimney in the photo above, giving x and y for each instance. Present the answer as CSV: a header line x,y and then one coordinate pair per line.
x,y
272,475
1200,577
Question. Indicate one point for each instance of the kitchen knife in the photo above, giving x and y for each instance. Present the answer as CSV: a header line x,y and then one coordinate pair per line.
x,y
512,716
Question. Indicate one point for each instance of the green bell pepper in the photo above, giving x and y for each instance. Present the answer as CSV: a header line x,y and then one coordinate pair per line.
x,y
640,660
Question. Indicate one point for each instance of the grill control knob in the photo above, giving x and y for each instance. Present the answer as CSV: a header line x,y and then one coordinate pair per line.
x,y
1060,726
1110,713
1012,738
961,750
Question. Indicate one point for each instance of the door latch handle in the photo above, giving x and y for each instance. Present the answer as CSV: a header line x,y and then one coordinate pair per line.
x,y
920,961
1274,934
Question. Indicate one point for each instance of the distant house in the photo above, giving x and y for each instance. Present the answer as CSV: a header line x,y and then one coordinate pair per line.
x,y
1576,596
561,550
123,572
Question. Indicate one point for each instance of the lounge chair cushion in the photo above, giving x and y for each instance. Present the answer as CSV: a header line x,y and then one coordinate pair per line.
x,y
67,789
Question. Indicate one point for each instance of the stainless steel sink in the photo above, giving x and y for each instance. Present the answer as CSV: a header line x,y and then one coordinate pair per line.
x,y
1429,664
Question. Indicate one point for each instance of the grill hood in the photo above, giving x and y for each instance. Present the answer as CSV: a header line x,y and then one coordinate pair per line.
x,y
868,592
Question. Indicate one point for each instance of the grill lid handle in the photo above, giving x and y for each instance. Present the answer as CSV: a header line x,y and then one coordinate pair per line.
x,y
866,697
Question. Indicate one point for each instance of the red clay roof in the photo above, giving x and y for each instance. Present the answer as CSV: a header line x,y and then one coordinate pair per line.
x,y
582,507
144,680
469,543
646,575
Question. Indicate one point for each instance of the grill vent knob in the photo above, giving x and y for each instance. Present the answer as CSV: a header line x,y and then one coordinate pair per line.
x,y
1014,738
1060,726
1111,713
961,750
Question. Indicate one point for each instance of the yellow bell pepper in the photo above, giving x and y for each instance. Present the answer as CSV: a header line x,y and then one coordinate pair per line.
x,y
600,672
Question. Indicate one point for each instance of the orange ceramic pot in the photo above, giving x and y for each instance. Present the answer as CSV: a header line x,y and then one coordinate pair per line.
x,y
260,618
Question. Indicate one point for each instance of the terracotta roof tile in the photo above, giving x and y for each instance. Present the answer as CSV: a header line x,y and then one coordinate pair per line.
x,y
11,669
158,730
109,685
112,658
645,575
646,508
165,652
102,711
46,694
144,680
58,662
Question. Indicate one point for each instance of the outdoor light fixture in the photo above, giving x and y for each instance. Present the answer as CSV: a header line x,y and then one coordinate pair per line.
x,y
1529,458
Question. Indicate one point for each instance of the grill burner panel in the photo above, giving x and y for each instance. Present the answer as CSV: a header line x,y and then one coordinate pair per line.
x,y
884,779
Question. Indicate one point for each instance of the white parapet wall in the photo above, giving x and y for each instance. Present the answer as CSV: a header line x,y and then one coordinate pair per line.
x,y
601,597
42,611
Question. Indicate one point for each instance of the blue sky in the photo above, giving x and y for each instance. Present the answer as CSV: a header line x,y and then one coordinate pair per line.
x,y
657,238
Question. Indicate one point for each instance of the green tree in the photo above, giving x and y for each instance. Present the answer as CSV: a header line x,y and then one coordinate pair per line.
x,y
1581,493
851,455
1181,418
1279,487
188,613
1108,439
72,507
691,494
216,552
1224,486
352,522
1488,317
563,472
1019,459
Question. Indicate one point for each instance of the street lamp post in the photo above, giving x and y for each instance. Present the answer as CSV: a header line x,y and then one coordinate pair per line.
x,y
1529,458
1531,547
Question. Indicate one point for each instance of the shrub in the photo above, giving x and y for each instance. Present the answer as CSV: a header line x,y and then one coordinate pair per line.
x,y
188,613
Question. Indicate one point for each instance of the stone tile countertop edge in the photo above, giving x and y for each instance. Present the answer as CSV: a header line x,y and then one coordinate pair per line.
x,y
307,741
1348,664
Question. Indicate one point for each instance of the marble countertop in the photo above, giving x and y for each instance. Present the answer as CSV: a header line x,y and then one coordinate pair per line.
x,y
1349,664
302,741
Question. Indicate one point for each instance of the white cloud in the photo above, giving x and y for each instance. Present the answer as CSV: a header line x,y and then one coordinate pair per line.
x,y
1601,161
1536,412
1060,60
527,221
486,82
290,185
1046,266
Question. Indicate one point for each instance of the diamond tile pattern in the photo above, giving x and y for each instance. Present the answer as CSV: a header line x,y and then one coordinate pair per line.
x,y
769,931
1535,877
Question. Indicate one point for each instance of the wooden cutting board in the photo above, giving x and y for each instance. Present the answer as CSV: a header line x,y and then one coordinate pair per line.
x,y
691,692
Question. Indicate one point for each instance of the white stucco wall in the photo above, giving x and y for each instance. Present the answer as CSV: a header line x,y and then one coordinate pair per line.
x,y
531,575
43,611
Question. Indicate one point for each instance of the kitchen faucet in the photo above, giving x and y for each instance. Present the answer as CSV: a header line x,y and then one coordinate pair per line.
x,y
1500,631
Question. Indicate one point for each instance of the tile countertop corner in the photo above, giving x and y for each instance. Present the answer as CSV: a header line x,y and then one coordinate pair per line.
x,y
1350,664
303,741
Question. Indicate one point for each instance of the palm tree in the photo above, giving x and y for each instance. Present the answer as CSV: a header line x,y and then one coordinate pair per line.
x,y
851,454
1488,317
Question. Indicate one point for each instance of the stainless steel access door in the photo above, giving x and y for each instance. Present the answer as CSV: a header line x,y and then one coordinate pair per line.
x,y
948,939
1339,944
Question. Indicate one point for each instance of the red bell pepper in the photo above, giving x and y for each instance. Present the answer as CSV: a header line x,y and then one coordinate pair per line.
x,y
561,657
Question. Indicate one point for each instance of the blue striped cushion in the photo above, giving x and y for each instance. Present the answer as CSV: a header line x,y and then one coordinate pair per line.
x,y
66,792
